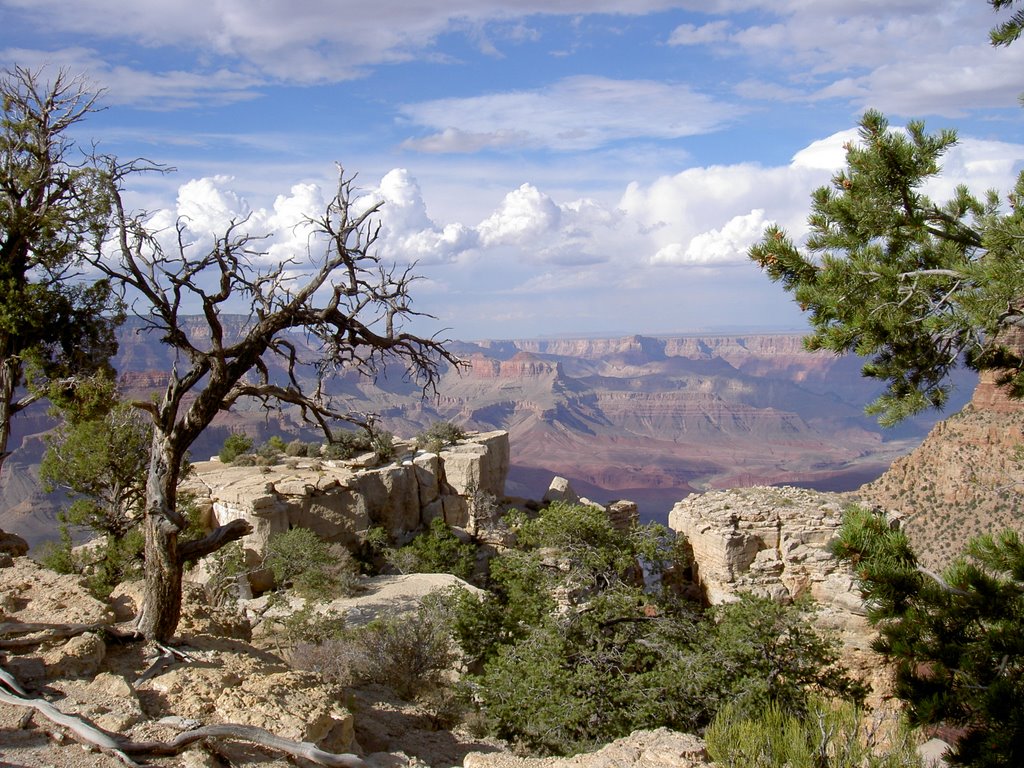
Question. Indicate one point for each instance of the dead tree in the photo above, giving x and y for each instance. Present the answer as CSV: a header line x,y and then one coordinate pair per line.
x,y
349,305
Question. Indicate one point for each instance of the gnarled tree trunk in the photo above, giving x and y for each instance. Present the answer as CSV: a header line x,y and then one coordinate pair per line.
x,y
161,607
10,374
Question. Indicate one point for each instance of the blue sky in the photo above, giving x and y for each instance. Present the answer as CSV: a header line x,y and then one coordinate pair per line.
x,y
557,167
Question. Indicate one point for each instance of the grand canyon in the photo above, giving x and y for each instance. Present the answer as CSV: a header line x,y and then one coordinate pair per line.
x,y
651,419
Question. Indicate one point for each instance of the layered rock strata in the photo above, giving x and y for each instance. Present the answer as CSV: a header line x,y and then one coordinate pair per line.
x,y
341,501
774,542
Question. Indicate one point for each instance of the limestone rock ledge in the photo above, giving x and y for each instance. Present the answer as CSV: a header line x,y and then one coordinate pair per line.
x,y
660,748
774,542
340,501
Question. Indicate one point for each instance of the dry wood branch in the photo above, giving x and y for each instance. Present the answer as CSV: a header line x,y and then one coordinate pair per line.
x,y
28,634
252,734
83,731
121,748
164,659
942,583
217,538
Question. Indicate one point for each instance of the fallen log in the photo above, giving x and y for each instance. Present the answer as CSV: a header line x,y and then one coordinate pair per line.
x,y
121,748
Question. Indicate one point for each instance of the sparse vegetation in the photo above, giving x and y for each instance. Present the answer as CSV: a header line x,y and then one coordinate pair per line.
x,y
829,735
235,445
410,653
382,443
439,436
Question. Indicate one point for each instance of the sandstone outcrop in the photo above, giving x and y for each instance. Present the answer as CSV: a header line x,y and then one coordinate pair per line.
x,y
340,500
774,542
377,596
32,594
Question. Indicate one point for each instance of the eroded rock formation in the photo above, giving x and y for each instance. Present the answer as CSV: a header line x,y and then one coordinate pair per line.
x,y
341,501
774,542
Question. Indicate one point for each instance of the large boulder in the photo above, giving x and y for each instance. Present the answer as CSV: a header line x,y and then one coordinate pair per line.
x,y
660,748
32,594
12,544
774,542
480,462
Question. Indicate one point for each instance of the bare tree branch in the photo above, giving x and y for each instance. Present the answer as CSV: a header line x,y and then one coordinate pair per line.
x,y
352,308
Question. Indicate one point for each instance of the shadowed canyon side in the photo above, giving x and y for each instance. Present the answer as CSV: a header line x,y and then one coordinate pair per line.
x,y
638,417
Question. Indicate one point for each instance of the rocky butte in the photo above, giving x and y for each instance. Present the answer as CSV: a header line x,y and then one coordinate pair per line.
x,y
342,500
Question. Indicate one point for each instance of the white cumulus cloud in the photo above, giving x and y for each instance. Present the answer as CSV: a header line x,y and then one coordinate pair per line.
x,y
727,245
408,232
525,215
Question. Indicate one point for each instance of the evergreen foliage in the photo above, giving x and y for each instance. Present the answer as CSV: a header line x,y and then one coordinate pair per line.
x,y
346,443
300,559
100,453
235,444
1009,30
575,647
956,639
436,550
439,436
53,326
917,286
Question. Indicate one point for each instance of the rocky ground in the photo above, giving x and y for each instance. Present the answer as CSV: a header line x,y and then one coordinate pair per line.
x,y
771,541
229,678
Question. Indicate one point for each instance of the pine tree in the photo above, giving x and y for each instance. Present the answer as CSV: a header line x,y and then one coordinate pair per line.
x,y
916,286
53,325
957,639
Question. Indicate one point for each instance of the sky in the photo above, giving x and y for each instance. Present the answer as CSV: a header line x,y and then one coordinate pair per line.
x,y
552,168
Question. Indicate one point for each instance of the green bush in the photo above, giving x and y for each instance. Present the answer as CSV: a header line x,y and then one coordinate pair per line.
x,y
298,449
346,444
224,568
235,444
315,569
829,736
57,555
307,627
120,560
574,650
439,435
436,550
271,450
106,564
